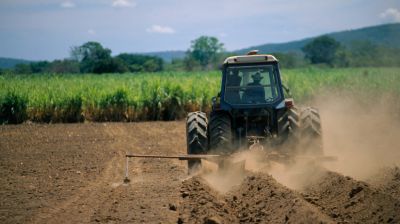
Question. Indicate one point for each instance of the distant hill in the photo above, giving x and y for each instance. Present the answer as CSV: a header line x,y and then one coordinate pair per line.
x,y
11,62
167,55
388,35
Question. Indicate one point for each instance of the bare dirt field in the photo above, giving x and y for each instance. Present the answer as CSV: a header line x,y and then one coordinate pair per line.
x,y
73,173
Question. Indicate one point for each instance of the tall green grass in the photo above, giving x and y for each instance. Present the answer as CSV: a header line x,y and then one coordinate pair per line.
x,y
159,96
111,97
306,83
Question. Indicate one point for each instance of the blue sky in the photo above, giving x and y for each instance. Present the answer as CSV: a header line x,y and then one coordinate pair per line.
x,y
46,29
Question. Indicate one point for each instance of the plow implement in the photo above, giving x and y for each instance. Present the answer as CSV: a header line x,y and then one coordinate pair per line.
x,y
225,160
213,158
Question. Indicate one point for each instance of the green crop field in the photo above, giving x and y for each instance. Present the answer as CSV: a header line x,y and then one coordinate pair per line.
x,y
160,96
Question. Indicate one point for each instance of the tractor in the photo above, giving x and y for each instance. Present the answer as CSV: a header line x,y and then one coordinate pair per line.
x,y
252,108
253,111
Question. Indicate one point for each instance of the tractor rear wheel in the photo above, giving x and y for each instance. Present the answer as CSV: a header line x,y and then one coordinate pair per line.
x,y
288,127
196,137
220,132
310,131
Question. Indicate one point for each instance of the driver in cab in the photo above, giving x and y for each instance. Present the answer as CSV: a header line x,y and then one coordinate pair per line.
x,y
255,92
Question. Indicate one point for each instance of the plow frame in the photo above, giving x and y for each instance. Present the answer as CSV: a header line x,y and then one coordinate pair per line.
x,y
221,160
213,158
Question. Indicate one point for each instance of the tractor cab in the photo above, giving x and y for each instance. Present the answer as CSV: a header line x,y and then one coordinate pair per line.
x,y
250,81
251,95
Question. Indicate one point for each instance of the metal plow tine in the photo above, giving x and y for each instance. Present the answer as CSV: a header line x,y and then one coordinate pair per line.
x,y
126,179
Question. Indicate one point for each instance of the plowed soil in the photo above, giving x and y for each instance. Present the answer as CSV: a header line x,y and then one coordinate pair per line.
x,y
73,173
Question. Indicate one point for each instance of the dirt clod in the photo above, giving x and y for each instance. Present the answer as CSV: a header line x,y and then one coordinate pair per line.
x,y
172,207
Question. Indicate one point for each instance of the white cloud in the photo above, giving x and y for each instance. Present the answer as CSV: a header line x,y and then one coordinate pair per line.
x,y
123,4
67,4
391,14
160,29
91,32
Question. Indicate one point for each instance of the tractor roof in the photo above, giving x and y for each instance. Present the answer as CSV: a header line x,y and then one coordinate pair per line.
x,y
255,58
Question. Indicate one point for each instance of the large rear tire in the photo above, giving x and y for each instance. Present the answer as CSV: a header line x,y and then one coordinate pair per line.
x,y
310,131
196,137
220,131
288,127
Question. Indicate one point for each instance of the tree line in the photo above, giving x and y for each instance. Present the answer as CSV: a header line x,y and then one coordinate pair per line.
x,y
92,57
326,51
207,53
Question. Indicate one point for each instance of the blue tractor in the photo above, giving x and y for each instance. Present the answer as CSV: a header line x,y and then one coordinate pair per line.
x,y
253,106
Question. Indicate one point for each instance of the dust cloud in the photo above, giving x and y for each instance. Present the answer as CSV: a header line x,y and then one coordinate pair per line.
x,y
223,178
362,131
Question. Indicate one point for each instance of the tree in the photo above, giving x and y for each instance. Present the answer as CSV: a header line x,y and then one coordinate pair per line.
x,y
94,58
64,66
363,53
342,58
205,50
141,63
23,69
322,50
39,67
176,64
33,67
191,64
290,59
366,53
